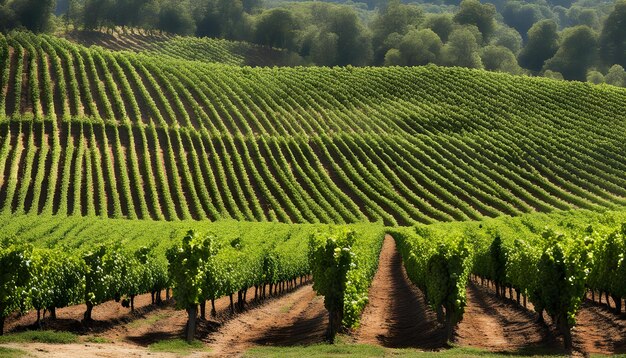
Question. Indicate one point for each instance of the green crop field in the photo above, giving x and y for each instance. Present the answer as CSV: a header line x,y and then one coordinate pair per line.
x,y
108,158
97,133
208,50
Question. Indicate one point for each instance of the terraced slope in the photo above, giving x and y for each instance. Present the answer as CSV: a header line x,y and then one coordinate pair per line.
x,y
186,48
98,133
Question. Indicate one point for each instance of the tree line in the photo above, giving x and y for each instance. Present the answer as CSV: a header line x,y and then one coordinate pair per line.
x,y
556,38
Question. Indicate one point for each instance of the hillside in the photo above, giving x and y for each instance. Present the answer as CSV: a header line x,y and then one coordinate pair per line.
x,y
186,48
98,133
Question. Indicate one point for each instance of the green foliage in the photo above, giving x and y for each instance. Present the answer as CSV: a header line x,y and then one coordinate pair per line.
x,y
343,263
15,272
189,140
595,77
616,76
440,267
187,269
102,275
508,37
613,36
498,261
522,16
331,258
576,53
174,17
57,279
472,12
441,24
609,266
560,288
501,59
420,47
462,49
277,28
448,271
396,18
542,44
553,75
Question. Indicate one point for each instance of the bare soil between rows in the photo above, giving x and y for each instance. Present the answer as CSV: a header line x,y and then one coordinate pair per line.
x,y
397,316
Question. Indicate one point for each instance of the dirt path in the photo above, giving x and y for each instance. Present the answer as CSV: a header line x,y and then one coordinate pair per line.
x,y
496,325
296,318
91,350
397,315
106,316
599,330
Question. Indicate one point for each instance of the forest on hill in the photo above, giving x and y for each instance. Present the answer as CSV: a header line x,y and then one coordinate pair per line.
x,y
574,40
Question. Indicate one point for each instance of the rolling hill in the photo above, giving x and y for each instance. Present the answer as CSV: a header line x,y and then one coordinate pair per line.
x,y
94,132
208,50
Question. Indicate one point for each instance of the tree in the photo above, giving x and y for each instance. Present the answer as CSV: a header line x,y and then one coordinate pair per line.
x,y
277,28
34,15
616,76
472,12
613,36
176,19
553,75
73,13
97,13
420,47
501,59
220,18
250,6
393,57
441,24
7,17
394,18
507,37
595,77
577,53
354,45
542,44
587,17
128,12
324,49
521,16
462,49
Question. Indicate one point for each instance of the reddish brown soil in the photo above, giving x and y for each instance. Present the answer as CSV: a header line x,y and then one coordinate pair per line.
x,y
397,315
600,330
494,324
297,318
106,316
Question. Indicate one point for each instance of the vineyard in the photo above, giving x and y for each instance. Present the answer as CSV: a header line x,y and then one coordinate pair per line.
x,y
186,48
561,264
130,174
97,133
